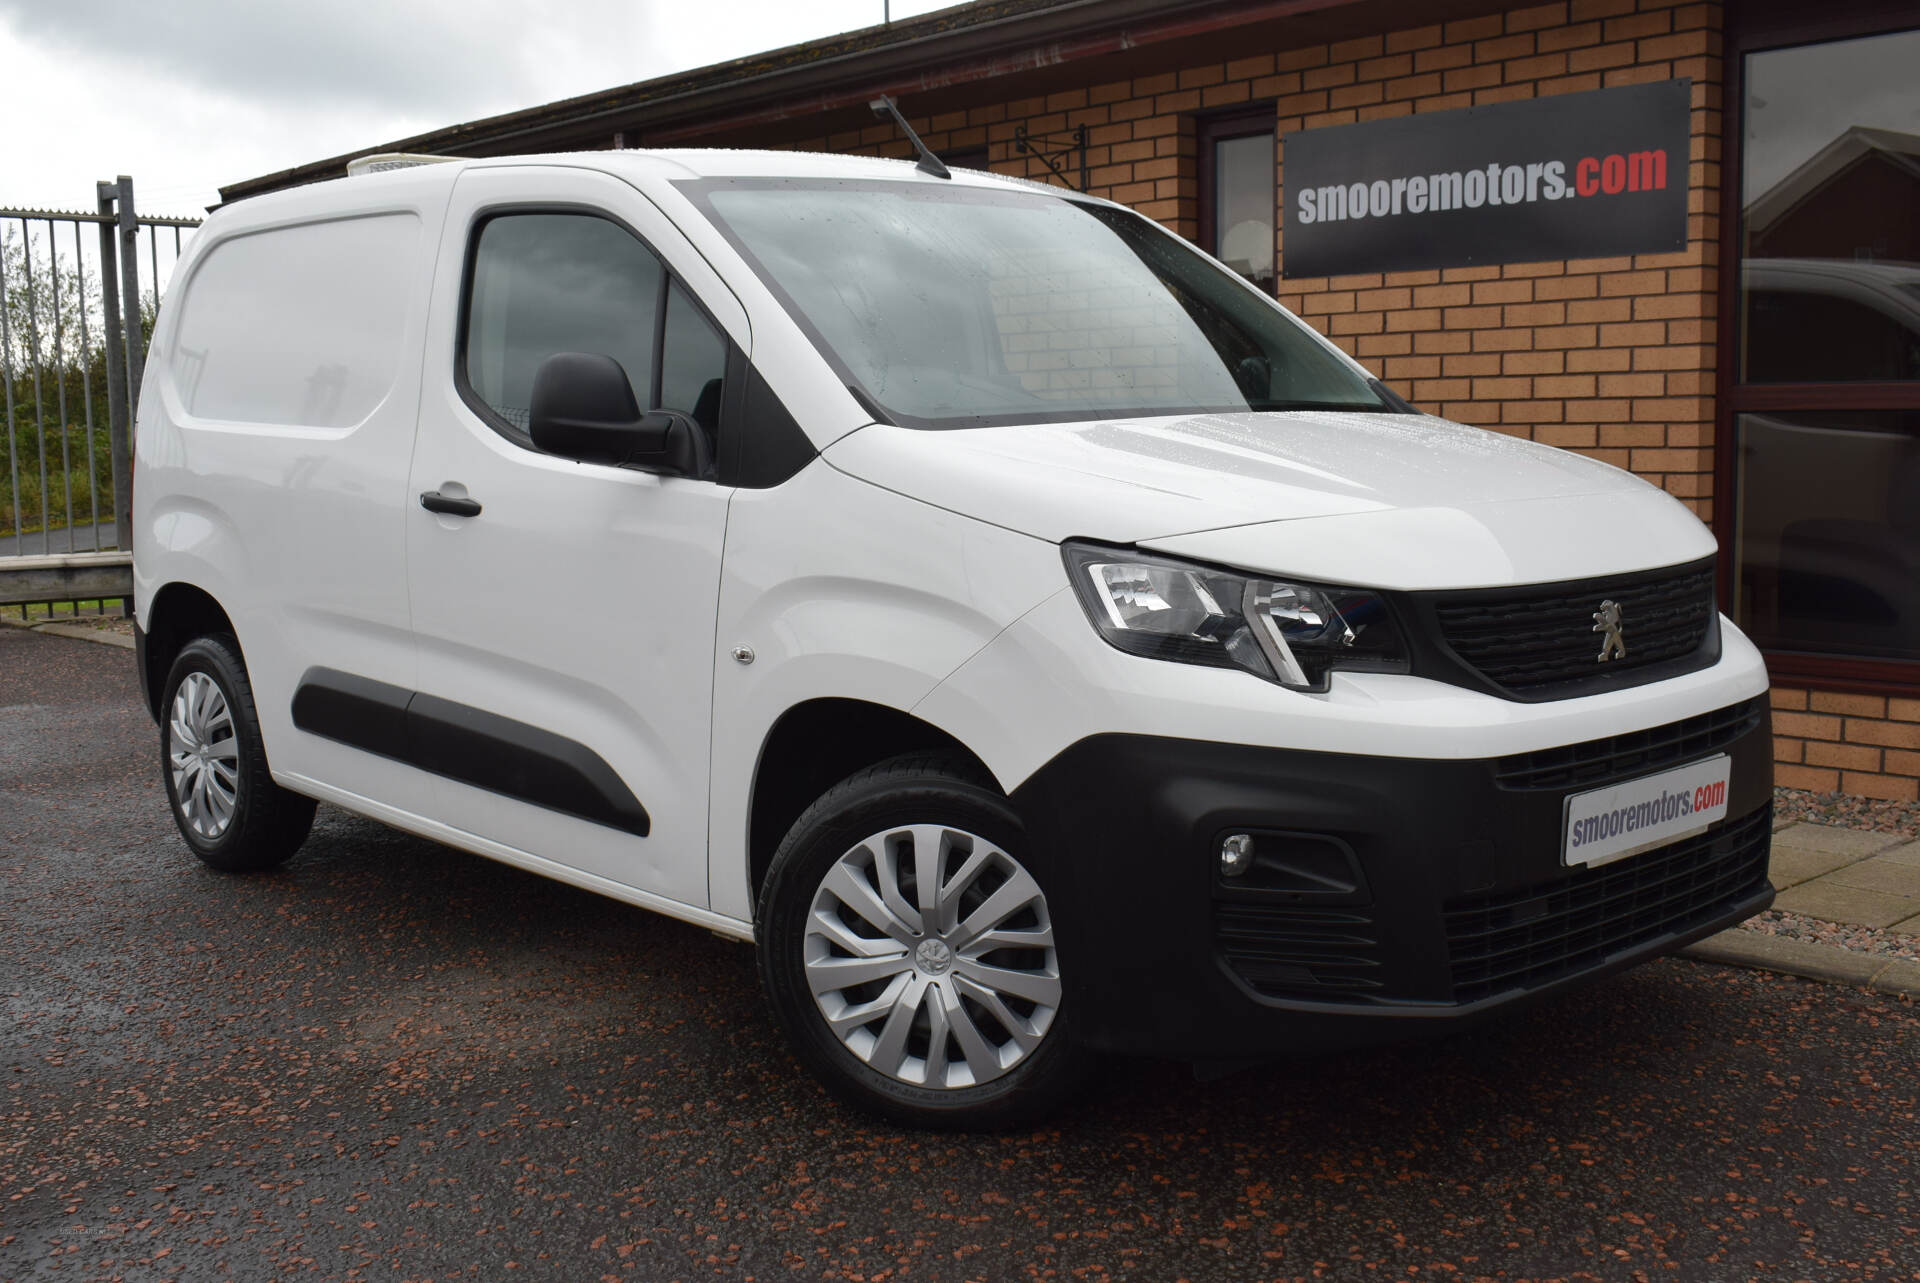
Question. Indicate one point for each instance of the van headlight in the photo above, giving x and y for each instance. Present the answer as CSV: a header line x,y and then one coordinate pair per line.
x,y
1285,631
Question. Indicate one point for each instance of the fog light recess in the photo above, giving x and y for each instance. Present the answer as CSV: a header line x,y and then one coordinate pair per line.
x,y
1236,854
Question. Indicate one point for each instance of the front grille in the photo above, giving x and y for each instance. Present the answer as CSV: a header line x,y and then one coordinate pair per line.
x,y
1524,639
1282,951
1525,938
1635,753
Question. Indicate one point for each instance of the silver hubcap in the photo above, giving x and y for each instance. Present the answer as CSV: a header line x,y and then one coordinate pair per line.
x,y
930,953
204,756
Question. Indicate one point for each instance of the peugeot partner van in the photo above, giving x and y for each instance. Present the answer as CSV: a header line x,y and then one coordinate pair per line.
x,y
1031,637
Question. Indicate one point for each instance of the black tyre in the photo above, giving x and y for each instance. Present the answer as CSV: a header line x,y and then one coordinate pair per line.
x,y
907,947
214,764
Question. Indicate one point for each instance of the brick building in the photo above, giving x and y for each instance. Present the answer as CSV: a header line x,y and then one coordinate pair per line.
x,y
1766,372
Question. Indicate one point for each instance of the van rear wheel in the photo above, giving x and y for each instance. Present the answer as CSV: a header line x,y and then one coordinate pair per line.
x,y
214,765
907,946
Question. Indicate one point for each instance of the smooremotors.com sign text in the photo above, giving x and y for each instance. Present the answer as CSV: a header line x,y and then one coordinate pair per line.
x,y
1586,175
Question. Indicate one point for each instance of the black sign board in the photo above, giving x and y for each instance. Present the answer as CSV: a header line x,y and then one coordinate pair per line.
x,y
1584,175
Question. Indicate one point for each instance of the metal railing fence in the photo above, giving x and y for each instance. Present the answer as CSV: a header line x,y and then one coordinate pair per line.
x,y
78,294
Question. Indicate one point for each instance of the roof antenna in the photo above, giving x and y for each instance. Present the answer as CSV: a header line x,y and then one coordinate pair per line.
x,y
883,107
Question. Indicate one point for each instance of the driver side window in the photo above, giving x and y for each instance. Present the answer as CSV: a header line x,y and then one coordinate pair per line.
x,y
543,283
547,283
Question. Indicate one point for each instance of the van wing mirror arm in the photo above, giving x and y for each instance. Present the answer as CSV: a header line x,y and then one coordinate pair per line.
x,y
669,441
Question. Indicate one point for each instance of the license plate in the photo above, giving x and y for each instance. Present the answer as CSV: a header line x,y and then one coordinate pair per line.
x,y
1639,815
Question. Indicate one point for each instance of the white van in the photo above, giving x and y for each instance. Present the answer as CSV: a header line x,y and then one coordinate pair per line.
x,y
1030,635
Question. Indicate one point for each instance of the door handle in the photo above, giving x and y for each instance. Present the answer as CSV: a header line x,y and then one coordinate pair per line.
x,y
434,501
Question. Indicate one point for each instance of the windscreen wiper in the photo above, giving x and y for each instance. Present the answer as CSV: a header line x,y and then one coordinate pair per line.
x,y
1395,402
1392,405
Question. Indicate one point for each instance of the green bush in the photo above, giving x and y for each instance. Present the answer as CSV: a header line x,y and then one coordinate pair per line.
x,y
78,488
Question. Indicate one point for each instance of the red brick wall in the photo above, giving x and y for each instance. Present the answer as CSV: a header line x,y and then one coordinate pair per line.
x,y
1613,357
1864,744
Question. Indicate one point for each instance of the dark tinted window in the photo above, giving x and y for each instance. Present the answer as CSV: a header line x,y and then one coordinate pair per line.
x,y
1829,531
1806,337
1826,457
694,362
1830,216
547,283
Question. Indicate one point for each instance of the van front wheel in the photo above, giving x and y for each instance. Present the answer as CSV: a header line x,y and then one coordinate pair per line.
x,y
907,945
214,765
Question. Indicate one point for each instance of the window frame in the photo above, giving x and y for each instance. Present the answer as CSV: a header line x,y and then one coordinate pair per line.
x,y
1754,29
649,397
1210,130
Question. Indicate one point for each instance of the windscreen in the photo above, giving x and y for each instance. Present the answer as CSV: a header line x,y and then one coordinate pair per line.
x,y
953,306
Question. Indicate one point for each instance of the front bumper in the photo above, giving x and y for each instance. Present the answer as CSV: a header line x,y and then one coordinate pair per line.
x,y
1453,903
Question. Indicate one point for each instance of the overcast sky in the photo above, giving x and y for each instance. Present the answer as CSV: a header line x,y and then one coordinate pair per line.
x,y
185,95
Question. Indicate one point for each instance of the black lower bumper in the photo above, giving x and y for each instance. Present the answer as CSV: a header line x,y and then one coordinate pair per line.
x,y
1395,897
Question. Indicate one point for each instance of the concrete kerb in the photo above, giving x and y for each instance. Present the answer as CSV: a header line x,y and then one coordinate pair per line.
x,y
75,631
1737,948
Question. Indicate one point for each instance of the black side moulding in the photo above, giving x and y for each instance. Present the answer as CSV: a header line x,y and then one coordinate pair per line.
x,y
471,745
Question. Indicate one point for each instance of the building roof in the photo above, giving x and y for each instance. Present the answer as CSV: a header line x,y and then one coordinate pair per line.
x,y
933,60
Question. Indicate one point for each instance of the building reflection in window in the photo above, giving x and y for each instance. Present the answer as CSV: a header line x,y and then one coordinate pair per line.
x,y
1827,395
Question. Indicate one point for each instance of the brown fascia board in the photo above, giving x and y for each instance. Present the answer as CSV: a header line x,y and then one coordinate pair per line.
x,y
1216,34
945,50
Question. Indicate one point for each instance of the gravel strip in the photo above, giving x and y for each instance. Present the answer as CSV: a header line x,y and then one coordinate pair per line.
x,y
114,623
111,623
1796,926
1846,811
1853,813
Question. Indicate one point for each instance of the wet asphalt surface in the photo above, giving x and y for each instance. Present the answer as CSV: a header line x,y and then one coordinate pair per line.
x,y
393,1060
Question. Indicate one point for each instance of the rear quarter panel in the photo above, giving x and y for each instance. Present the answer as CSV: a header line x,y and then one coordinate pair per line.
x,y
281,491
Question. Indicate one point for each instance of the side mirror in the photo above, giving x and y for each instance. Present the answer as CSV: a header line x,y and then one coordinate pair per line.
x,y
583,408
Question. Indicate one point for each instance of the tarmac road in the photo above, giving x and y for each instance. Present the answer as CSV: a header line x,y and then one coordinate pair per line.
x,y
392,1060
